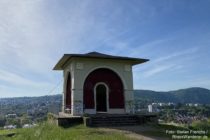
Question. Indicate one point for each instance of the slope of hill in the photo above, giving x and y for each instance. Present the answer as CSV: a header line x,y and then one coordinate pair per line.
x,y
189,95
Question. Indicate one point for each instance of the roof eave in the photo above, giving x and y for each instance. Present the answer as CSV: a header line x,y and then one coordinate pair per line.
x,y
61,62
140,61
66,57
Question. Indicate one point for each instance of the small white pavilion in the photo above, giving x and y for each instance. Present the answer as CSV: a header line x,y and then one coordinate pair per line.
x,y
97,83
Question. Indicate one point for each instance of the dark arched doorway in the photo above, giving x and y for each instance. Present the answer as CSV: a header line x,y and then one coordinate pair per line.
x,y
115,95
101,98
68,93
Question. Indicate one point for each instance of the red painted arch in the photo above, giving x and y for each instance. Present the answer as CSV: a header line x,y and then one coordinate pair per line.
x,y
114,83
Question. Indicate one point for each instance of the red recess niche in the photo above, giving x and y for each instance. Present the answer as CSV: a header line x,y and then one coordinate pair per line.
x,y
114,83
68,92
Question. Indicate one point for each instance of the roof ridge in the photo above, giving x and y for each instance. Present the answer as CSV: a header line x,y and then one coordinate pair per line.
x,y
94,53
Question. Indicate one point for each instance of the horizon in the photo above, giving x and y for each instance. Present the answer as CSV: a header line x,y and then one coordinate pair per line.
x,y
134,89
173,35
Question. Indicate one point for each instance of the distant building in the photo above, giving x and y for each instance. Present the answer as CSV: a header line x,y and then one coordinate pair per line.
x,y
11,115
169,104
191,104
153,107
150,108
161,104
29,125
10,127
196,105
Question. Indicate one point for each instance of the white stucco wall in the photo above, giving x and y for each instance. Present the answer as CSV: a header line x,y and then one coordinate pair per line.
x,y
80,68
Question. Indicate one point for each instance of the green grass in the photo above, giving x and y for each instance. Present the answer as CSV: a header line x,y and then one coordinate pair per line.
x,y
52,132
5,132
47,131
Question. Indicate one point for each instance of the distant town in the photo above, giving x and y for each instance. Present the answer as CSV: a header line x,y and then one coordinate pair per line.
x,y
25,112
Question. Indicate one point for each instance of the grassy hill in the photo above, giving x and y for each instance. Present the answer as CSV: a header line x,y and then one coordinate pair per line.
x,y
47,131
189,95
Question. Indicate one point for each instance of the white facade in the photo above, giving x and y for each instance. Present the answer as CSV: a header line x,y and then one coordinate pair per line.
x,y
80,68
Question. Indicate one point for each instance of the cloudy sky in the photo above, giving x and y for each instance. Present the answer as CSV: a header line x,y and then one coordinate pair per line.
x,y
173,34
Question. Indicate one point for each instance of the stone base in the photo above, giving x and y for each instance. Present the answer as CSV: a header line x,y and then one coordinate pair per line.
x,y
118,119
102,119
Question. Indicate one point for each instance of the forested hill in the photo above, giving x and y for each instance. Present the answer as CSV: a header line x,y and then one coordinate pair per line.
x,y
189,95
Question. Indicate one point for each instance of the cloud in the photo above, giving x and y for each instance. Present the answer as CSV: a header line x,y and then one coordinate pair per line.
x,y
176,55
157,70
14,79
178,59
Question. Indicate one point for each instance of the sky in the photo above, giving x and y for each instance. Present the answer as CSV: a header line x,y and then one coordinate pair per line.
x,y
173,34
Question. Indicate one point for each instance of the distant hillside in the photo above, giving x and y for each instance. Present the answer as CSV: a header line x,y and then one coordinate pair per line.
x,y
189,95
31,100
37,107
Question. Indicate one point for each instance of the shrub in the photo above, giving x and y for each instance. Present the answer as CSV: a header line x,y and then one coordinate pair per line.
x,y
202,125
